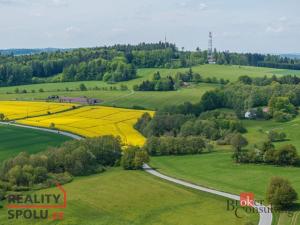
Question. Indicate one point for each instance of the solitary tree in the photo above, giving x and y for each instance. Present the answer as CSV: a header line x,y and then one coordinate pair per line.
x,y
238,142
280,193
133,158
2,116
82,87
52,125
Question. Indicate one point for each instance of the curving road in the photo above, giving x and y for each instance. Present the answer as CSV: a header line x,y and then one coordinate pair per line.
x,y
265,218
74,136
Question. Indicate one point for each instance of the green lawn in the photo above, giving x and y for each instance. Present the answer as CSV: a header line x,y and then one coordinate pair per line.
x,y
127,99
229,72
119,197
15,139
218,171
257,131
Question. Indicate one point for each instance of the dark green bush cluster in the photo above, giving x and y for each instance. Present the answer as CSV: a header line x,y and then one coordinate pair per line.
x,y
210,127
276,136
280,194
263,81
285,155
133,158
168,145
158,83
75,158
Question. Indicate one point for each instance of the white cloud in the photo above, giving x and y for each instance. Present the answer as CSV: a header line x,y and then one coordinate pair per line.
x,y
192,4
59,2
72,30
274,29
278,26
282,19
118,29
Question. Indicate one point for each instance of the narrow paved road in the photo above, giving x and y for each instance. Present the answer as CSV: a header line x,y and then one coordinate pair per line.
x,y
74,136
265,218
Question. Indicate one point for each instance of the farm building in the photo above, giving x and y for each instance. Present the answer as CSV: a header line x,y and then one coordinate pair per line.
x,y
81,100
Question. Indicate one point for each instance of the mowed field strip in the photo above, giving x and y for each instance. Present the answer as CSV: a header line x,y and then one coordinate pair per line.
x,y
13,110
92,121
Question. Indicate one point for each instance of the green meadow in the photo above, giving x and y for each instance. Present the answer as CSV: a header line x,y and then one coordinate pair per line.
x,y
217,170
149,100
14,140
136,198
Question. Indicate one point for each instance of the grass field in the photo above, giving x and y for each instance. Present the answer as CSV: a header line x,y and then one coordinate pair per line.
x,y
257,131
13,110
15,139
149,100
119,197
217,170
91,121
219,71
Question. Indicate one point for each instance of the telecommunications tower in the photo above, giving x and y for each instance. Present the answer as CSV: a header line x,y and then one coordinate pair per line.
x,y
210,53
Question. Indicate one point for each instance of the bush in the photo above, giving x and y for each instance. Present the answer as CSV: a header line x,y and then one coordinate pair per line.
x,y
61,178
82,87
282,117
280,193
133,158
168,145
276,136
77,158
286,155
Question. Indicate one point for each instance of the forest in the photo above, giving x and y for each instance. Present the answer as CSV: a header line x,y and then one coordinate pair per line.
x,y
118,63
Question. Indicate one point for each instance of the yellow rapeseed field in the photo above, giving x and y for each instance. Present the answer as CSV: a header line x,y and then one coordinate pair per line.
x,y
91,121
13,110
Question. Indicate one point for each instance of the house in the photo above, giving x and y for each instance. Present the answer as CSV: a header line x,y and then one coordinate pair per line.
x,y
266,109
250,114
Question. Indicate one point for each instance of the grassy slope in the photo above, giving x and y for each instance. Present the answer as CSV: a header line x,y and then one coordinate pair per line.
x,y
217,170
257,131
236,178
15,139
149,100
133,197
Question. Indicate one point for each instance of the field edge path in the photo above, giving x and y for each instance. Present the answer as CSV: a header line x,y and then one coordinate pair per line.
x,y
264,218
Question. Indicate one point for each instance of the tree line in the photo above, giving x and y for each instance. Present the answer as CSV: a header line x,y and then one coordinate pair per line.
x,y
118,62
170,83
59,164
179,134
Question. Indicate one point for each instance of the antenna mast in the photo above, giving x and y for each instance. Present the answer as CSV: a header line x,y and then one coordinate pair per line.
x,y
210,56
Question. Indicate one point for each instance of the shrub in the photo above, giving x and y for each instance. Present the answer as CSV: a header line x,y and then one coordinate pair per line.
x,y
276,136
286,155
133,158
282,117
168,145
280,193
82,87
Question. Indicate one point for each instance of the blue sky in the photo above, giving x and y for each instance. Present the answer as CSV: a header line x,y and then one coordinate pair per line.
x,y
270,26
